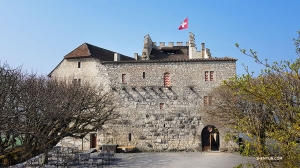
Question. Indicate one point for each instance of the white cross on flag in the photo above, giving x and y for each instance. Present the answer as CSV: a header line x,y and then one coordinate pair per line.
x,y
184,24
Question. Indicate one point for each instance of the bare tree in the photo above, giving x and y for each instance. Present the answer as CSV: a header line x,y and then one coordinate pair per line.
x,y
39,112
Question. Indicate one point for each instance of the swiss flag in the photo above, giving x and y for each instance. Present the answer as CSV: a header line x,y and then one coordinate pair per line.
x,y
184,24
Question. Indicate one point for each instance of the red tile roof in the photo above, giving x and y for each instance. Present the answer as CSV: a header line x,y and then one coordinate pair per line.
x,y
87,50
173,60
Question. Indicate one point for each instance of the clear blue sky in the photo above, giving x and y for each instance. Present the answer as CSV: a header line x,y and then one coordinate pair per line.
x,y
38,34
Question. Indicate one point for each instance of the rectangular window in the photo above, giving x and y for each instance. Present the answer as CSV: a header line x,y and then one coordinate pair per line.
x,y
77,82
123,78
161,105
79,64
144,74
129,137
207,100
206,75
211,75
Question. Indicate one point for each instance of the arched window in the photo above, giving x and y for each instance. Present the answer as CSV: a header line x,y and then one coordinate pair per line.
x,y
167,81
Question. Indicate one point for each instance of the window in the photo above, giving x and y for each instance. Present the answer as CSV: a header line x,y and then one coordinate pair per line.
x,y
167,82
206,75
144,75
77,82
207,100
123,78
161,105
79,64
209,75
129,137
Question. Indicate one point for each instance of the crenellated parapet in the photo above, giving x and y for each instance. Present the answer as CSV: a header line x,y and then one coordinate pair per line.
x,y
190,46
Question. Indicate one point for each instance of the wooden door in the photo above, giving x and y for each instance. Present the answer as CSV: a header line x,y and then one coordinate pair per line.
x,y
93,140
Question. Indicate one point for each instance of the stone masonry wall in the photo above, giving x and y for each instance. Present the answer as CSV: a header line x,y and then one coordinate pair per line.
x,y
175,127
178,125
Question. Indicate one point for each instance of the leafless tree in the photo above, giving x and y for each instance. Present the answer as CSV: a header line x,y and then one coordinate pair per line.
x,y
39,112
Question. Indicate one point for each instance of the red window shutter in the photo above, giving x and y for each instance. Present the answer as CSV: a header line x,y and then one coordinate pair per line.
x,y
206,75
123,78
205,101
167,82
211,76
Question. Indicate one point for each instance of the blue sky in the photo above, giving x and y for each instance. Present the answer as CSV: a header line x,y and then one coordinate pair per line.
x,y
37,34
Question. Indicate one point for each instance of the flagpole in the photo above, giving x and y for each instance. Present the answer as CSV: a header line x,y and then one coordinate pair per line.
x,y
188,29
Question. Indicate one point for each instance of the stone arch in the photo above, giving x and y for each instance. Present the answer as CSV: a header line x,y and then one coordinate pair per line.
x,y
210,138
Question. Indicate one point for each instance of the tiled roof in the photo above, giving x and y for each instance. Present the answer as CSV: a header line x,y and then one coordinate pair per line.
x,y
173,60
87,50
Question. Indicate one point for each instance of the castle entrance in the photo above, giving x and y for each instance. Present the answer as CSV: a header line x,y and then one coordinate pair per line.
x,y
210,138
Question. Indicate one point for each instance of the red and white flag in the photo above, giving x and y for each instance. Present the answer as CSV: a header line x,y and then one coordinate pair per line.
x,y
184,24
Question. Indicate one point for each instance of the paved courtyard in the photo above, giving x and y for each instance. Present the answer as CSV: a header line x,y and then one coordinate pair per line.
x,y
166,160
179,160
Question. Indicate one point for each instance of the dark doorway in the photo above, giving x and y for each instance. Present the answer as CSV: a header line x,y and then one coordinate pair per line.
x,y
93,140
210,138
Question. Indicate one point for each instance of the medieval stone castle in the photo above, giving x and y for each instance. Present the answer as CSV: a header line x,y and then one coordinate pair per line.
x,y
162,92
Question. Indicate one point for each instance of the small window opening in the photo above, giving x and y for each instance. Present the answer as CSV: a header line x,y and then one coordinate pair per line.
x,y
207,100
211,75
129,137
144,75
161,105
123,78
79,64
206,75
77,82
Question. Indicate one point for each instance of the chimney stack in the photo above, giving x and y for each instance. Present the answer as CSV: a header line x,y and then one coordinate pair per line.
x,y
116,57
136,56
203,49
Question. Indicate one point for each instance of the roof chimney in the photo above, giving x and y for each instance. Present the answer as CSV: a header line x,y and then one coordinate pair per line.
x,y
116,57
136,56
203,49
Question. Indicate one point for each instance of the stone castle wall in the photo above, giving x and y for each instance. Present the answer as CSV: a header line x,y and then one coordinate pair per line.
x,y
152,117
178,125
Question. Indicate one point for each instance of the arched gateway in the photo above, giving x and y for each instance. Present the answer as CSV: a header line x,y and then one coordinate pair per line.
x,y
210,138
